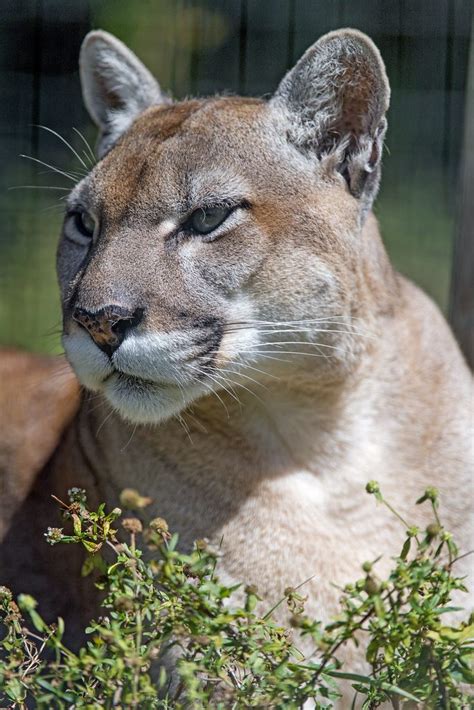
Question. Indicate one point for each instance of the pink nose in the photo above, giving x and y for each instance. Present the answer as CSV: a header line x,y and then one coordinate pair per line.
x,y
109,325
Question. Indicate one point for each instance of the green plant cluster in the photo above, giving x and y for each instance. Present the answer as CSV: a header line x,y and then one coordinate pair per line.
x,y
171,635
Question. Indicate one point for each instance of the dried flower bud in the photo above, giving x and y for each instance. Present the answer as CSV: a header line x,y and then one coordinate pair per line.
x,y
201,544
433,530
53,535
123,603
251,589
5,594
371,586
158,525
297,621
132,525
131,499
202,640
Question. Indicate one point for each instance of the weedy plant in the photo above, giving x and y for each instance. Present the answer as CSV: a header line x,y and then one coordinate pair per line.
x,y
226,654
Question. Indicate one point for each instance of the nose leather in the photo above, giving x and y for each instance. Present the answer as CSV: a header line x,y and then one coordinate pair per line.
x,y
109,325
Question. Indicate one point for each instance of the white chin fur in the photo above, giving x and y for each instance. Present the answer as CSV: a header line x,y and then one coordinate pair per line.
x,y
144,402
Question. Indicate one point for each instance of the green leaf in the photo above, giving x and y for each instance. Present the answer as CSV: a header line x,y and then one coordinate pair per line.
x,y
405,548
88,566
38,622
352,676
399,691
92,546
77,524
55,691
61,627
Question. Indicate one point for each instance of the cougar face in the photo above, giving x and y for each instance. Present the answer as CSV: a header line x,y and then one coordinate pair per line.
x,y
219,239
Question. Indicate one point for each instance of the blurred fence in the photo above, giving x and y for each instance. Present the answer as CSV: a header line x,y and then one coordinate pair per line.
x,y
208,46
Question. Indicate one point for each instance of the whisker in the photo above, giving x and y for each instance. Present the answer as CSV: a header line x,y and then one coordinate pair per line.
x,y
215,379
104,421
54,169
75,173
323,319
305,330
239,384
240,364
285,352
92,157
211,390
66,143
39,187
185,427
130,439
242,374
219,381
293,342
262,372
196,421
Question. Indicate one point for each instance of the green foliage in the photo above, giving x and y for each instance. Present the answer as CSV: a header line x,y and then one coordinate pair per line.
x,y
168,610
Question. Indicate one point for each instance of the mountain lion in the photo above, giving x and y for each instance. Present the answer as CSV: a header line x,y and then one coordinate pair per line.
x,y
254,357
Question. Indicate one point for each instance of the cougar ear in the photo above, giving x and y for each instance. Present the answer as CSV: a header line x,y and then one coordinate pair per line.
x,y
116,86
336,98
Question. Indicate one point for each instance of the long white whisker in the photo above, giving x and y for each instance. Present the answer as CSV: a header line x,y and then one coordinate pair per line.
x,y
351,332
309,330
56,170
242,374
196,421
92,158
314,329
105,420
262,372
214,378
284,352
239,384
325,319
39,187
66,143
293,342
185,427
130,439
222,381
211,390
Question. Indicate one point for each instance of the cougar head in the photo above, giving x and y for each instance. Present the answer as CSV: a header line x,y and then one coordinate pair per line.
x,y
220,235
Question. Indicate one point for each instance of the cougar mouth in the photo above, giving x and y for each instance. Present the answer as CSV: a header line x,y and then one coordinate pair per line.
x,y
154,376
143,401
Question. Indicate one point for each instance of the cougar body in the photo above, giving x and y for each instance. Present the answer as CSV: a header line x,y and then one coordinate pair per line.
x,y
254,356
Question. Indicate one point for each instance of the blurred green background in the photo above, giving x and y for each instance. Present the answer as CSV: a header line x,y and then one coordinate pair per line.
x,y
209,46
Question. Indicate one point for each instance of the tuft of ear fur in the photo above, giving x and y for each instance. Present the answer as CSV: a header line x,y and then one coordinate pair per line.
x,y
336,98
116,86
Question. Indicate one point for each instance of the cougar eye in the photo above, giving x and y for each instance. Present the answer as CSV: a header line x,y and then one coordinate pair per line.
x,y
206,219
84,223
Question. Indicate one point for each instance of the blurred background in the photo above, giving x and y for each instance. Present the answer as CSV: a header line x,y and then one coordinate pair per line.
x,y
243,46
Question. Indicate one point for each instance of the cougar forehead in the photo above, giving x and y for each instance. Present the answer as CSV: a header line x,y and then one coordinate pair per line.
x,y
175,155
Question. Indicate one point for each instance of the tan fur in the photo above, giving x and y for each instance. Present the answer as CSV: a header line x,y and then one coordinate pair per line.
x,y
38,398
274,461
